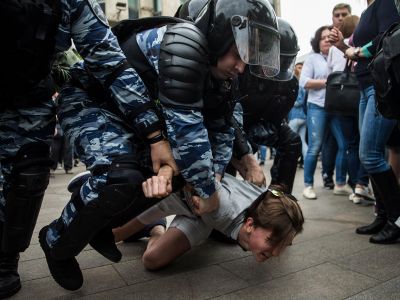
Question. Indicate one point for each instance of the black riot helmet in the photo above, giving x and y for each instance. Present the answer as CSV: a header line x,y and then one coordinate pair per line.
x,y
288,52
251,24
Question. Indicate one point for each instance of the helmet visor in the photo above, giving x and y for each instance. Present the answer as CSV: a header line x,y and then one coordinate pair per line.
x,y
257,44
286,69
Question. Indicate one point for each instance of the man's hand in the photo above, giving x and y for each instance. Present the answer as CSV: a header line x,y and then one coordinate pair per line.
x,y
202,206
250,170
159,186
335,37
161,155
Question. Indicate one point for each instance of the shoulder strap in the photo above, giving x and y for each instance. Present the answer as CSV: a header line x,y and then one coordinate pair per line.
x,y
126,31
139,62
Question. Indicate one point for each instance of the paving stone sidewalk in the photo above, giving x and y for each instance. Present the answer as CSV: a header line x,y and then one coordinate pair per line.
x,y
327,261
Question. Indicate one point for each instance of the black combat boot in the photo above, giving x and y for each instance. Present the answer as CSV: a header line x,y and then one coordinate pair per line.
x,y
373,228
389,189
9,277
390,234
66,272
380,210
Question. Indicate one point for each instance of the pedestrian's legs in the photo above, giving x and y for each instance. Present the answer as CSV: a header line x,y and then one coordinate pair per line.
x,y
316,124
341,161
328,158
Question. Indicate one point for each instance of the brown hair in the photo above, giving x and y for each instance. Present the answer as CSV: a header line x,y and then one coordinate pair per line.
x,y
340,6
317,38
279,212
349,25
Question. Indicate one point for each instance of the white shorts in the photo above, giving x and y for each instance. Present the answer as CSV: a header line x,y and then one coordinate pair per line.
x,y
191,225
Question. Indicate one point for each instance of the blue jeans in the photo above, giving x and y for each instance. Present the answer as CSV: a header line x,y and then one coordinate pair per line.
x,y
299,127
328,154
375,131
318,121
357,173
263,152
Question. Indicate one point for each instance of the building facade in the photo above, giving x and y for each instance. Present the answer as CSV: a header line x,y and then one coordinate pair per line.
x,y
117,10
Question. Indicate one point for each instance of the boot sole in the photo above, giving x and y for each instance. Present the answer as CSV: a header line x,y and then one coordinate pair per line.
x,y
385,242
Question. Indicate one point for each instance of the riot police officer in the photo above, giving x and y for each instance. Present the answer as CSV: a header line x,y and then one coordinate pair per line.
x,y
34,31
173,61
265,108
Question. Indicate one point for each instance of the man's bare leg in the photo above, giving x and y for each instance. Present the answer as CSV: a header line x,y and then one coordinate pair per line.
x,y
125,231
163,249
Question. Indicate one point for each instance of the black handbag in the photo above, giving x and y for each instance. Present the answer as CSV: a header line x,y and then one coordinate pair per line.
x,y
385,72
342,92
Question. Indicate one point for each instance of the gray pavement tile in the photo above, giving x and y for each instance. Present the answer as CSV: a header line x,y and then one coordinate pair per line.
x,y
33,252
326,281
316,228
209,253
45,288
132,251
389,290
33,269
91,259
199,284
96,280
299,256
134,272
380,261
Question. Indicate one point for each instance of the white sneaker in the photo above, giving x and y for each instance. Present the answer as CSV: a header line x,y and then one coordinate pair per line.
x,y
309,193
357,199
351,196
342,190
365,193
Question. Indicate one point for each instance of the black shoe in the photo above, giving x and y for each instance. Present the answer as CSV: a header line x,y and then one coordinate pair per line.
x,y
390,234
104,243
145,232
373,228
67,272
10,283
328,182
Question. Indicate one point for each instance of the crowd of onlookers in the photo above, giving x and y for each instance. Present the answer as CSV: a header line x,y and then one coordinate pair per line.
x,y
362,148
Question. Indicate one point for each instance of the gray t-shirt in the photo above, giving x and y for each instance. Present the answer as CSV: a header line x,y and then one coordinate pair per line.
x,y
235,196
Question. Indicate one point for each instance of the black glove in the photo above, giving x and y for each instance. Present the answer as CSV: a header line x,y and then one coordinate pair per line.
x,y
263,134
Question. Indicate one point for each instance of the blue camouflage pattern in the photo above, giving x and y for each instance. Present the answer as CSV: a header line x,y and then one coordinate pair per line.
x,y
99,135
21,127
102,55
200,149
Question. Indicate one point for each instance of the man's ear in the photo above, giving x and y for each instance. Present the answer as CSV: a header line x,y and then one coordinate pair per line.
x,y
249,224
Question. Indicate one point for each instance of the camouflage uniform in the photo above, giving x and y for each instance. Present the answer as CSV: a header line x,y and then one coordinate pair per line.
x,y
201,146
20,127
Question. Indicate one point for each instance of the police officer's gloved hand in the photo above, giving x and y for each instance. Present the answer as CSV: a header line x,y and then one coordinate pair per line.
x,y
263,134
